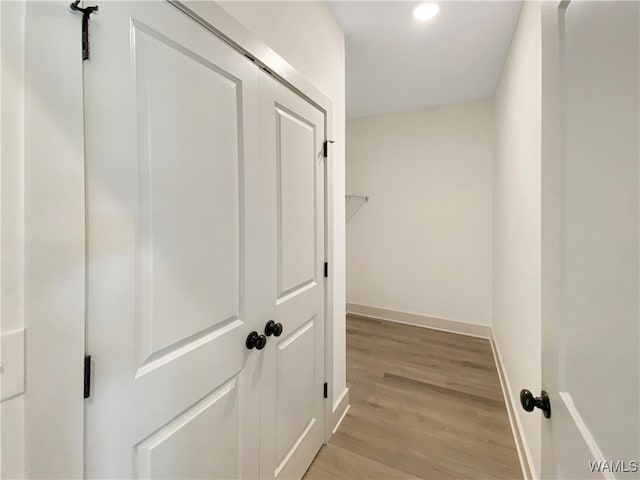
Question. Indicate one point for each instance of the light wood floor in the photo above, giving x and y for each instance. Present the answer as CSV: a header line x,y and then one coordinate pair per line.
x,y
424,404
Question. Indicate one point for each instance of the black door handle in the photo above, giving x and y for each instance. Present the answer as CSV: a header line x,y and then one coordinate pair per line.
x,y
273,328
254,340
529,402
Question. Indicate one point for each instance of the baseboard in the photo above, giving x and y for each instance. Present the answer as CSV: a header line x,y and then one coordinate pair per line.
x,y
339,411
511,403
454,326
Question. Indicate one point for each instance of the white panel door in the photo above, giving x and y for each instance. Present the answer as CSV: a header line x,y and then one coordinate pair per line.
x,y
292,424
176,265
591,341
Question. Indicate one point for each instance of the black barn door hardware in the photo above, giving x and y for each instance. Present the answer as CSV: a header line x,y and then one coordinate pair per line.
x,y
529,402
86,13
325,148
87,376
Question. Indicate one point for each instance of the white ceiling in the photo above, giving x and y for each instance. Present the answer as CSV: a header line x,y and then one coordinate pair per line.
x,y
396,63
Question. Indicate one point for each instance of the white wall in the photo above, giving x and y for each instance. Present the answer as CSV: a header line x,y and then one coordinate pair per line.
x,y
516,224
12,238
309,38
423,242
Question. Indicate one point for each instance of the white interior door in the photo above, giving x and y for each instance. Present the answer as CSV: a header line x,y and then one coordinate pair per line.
x,y
176,265
292,419
591,364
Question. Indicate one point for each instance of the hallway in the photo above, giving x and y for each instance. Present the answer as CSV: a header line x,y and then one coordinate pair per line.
x,y
424,404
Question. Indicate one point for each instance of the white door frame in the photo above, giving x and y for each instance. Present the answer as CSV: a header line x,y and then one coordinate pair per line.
x,y
55,224
54,276
550,213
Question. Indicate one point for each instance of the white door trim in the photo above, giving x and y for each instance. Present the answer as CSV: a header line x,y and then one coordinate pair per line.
x,y
550,212
54,279
55,225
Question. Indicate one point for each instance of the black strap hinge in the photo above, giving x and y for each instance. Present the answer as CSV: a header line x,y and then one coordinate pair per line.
x,y
87,376
86,13
326,147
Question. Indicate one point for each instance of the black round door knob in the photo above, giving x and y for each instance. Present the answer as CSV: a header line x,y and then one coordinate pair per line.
x,y
529,402
273,328
255,340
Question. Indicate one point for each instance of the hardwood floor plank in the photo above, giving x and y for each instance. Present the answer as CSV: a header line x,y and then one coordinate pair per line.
x,y
424,404
335,462
406,382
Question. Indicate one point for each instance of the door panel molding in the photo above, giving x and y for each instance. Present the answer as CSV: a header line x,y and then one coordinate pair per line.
x,y
221,452
172,163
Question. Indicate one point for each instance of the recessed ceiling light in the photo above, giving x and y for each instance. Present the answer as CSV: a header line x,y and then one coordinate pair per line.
x,y
425,11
